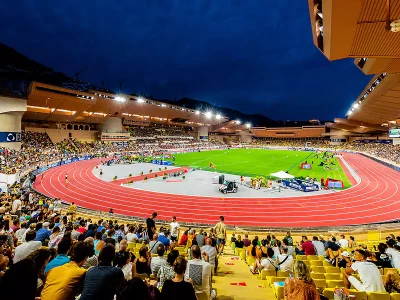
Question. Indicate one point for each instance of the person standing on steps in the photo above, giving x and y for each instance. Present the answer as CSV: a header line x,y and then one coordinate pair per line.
x,y
151,225
220,231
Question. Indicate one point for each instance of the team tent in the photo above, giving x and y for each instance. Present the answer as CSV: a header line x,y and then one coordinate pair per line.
x,y
282,175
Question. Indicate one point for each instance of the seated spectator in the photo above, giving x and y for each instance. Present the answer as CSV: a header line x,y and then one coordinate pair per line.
x,y
178,288
233,238
290,248
28,271
166,272
131,237
143,262
200,272
162,237
307,246
344,260
239,243
20,232
352,242
64,282
92,259
285,261
392,282
200,238
42,232
102,281
61,258
124,261
343,242
370,277
301,287
154,244
393,253
319,246
184,239
276,247
269,263
246,241
98,243
158,261
382,257
332,250
211,252
254,252
30,246
136,288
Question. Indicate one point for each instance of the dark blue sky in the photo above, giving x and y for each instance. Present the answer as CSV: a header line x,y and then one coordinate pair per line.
x,y
255,55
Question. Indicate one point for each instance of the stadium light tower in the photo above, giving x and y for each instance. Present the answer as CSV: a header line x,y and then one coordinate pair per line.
x,y
197,112
208,114
119,99
218,116
248,125
140,100
238,122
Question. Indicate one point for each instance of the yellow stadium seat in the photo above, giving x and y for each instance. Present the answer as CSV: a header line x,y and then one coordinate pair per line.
x,y
321,258
275,279
335,283
320,283
301,257
332,276
381,271
282,274
318,275
242,255
395,296
359,295
318,269
388,269
328,293
378,296
142,276
236,251
312,257
332,270
307,263
326,263
250,260
316,263
279,292
264,274
201,296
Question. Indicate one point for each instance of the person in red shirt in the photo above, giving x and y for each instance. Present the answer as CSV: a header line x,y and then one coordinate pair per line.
x,y
307,246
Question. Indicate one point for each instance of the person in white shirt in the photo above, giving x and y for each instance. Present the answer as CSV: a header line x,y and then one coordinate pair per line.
x,y
20,232
174,228
319,246
16,207
343,242
131,236
268,263
200,272
285,261
23,250
210,250
393,253
370,277
158,261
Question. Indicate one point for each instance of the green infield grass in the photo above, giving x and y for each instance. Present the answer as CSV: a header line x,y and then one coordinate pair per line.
x,y
262,162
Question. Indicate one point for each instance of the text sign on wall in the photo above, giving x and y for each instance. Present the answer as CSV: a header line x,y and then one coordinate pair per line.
x,y
10,137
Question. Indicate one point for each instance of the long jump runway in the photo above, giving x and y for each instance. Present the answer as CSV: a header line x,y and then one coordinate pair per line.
x,y
375,199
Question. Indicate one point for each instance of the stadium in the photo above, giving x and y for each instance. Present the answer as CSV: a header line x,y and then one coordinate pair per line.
x,y
77,158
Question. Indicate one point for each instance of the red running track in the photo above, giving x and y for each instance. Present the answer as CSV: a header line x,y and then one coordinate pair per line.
x,y
375,199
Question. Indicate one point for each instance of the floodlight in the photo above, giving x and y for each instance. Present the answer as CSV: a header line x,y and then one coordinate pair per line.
x,y
197,112
356,105
119,99
248,125
208,114
218,116
140,100
349,112
238,122
163,105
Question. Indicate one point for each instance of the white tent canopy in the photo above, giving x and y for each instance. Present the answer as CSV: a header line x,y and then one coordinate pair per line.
x,y
282,175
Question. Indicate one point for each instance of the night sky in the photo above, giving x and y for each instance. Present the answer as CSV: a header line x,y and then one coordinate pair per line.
x,y
256,56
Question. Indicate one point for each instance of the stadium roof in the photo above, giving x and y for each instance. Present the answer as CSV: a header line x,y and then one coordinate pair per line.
x,y
57,104
379,102
360,29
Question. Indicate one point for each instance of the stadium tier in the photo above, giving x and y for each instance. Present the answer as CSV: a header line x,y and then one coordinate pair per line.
x,y
107,195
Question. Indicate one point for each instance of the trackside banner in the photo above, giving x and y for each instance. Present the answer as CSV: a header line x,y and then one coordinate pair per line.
x,y
63,162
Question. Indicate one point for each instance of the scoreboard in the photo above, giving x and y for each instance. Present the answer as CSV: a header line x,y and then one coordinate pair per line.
x,y
394,132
